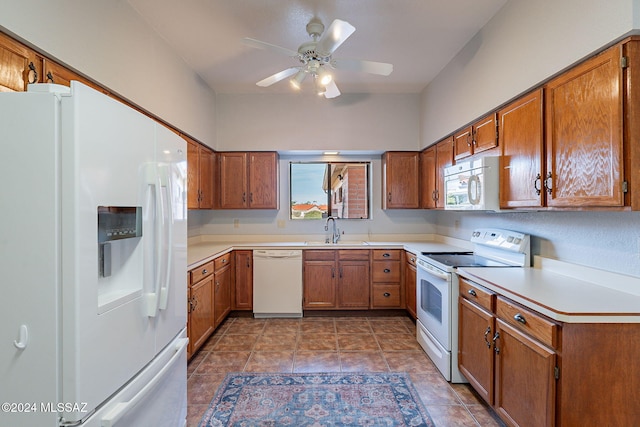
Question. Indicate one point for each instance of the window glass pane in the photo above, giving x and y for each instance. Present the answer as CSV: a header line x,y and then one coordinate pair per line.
x,y
320,189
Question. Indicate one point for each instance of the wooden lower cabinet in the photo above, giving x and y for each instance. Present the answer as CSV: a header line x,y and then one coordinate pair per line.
x,y
410,273
386,278
336,279
222,288
242,291
200,306
538,372
525,383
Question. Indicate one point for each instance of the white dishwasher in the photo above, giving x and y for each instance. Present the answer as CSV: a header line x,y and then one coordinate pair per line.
x,y
277,283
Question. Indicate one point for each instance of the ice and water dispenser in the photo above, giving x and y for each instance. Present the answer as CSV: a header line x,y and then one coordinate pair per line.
x,y
116,223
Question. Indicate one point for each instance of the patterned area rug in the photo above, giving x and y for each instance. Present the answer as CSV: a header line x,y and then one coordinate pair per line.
x,y
324,399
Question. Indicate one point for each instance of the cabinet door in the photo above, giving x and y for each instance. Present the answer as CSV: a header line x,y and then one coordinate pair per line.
x,y
475,349
222,294
56,73
319,284
444,158
584,133
463,143
193,185
206,162
353,284
243,289
201,321
401,180
410,286
18,66
525,388
428,174
521,174
233,180
263,180
484,134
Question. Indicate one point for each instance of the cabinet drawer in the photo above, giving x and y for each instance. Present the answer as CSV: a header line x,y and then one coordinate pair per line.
x,y
476,293
319,255
353,254
386,271
201,272
528,321
222,261
411,258
386,296
386,254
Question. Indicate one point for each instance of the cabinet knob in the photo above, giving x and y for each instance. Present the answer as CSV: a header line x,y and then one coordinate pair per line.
x,y
386,270
204,271
386,294
472,292
386,255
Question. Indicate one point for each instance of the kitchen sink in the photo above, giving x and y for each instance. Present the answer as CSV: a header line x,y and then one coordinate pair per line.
x,y
340,243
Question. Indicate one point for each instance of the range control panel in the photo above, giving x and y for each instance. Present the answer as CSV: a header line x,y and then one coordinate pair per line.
x,y
507,240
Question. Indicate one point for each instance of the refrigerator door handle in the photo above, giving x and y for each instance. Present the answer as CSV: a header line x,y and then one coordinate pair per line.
x,y
158,219
119,410
167,214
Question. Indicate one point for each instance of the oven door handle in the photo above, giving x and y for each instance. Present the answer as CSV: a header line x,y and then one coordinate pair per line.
x,y
438,274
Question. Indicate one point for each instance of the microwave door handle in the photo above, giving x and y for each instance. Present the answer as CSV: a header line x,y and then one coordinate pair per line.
x,y
474,190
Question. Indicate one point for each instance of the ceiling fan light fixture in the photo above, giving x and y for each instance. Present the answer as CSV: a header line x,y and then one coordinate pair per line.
x,y
324,77
296,81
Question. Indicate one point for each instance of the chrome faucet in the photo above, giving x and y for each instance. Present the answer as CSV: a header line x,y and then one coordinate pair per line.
x,y
335,231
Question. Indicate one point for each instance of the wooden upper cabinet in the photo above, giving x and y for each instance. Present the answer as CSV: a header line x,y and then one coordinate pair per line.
x,y
400,181
19,66
584,134
58,74
474,139
263,180
444,158
233,180
200,175
521,142
249,180
428,173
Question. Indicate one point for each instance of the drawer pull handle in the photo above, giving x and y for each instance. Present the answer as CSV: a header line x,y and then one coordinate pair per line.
x,y
520,318
224,260
386,270
386,255
386,294
496,337
204,271
486,334
472,292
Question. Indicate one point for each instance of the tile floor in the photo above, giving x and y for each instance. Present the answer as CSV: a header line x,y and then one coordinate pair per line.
x,y
329,344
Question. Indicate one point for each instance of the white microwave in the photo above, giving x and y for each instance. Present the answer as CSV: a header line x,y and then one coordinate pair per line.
x,y
473,185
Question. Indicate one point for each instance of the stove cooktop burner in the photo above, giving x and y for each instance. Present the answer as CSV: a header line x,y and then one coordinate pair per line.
x,y
464,259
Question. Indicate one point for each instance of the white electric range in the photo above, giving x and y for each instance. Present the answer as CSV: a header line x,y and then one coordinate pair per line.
x,y
437,290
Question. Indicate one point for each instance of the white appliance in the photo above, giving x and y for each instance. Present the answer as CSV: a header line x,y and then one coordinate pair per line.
x,y
437,291
277,283
473,185
93,262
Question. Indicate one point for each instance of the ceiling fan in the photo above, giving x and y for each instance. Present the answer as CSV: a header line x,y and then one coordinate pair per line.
x,y
316,59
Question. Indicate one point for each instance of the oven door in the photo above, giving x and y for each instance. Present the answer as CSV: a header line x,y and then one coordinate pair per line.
x,y
433,295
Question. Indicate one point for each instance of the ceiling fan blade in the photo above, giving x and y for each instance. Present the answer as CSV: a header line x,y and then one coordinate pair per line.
x,y
277,77
268,46
335,35
331,90
372,67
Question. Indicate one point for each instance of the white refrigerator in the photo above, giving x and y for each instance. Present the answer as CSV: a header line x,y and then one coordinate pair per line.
x,y
92,262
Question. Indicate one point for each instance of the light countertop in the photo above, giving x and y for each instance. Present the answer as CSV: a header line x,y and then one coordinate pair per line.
x,y
200,251
565,292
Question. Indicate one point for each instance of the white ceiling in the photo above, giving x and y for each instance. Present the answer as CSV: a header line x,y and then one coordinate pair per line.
x,y
419,37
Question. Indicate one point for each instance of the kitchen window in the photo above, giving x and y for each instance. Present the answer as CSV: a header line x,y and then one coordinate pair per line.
x,y
322,189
